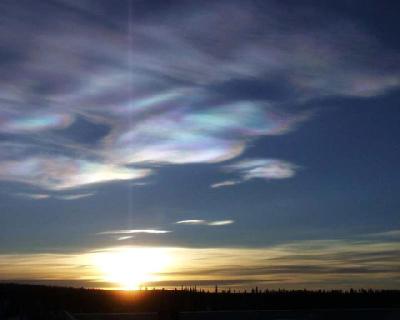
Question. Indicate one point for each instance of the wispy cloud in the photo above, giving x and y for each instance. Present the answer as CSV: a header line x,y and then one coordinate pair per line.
x,y
33,196
267,169
159,105
385,234
314,264
205,222
225,183
135,231
220,222
75,196
43,196
124,238
59,172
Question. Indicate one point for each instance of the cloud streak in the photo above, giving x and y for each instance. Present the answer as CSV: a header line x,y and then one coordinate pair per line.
x,y
75,196
135,231
205,222
33,196
43,196
226,183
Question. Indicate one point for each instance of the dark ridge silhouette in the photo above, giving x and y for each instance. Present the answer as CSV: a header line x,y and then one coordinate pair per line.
x,y
46,302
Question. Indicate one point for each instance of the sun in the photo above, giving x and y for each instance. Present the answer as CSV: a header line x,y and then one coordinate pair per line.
x,y
130,268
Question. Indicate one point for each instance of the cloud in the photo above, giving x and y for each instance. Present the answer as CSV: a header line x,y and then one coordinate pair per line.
x,y
135,231
267,169
205,222
220,222
27,124
263,168
75,196
225,183
58,172
171,91
323,263
124,238
33,196
42,196
385,234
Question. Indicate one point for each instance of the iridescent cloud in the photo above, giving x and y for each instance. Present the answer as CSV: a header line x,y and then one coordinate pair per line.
x,y
35,123
263,168
207,134
267,169
57,173
169,96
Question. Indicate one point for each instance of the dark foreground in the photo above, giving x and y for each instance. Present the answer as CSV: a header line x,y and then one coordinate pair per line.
x,y
348,314
42,302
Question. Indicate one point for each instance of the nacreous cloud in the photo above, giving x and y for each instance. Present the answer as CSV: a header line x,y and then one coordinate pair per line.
x,y
267,169
57,173
168,88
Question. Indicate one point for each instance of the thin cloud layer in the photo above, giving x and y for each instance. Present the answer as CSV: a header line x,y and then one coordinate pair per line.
x,y
205,222
166,86
314,264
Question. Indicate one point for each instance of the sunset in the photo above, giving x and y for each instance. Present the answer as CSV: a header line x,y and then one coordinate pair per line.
x,y
199,146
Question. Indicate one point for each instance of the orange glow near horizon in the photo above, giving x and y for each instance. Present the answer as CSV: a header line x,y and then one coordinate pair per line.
x,y
130,268
274,267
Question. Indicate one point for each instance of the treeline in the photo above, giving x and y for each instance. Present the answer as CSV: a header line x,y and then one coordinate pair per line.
x,y
43,302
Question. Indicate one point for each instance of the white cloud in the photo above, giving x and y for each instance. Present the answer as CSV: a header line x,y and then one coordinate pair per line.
x,y
225,183
33,196
75,196
205,222
263,168
124,238
191,221
267,169
220,223
135,231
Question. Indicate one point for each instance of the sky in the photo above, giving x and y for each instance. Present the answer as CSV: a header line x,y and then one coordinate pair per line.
x,y
170,143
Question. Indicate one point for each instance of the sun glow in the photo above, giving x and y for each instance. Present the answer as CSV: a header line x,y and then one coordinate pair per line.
x,y
130,268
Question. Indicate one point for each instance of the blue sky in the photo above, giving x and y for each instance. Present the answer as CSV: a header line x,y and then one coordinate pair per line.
x,y
248,125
